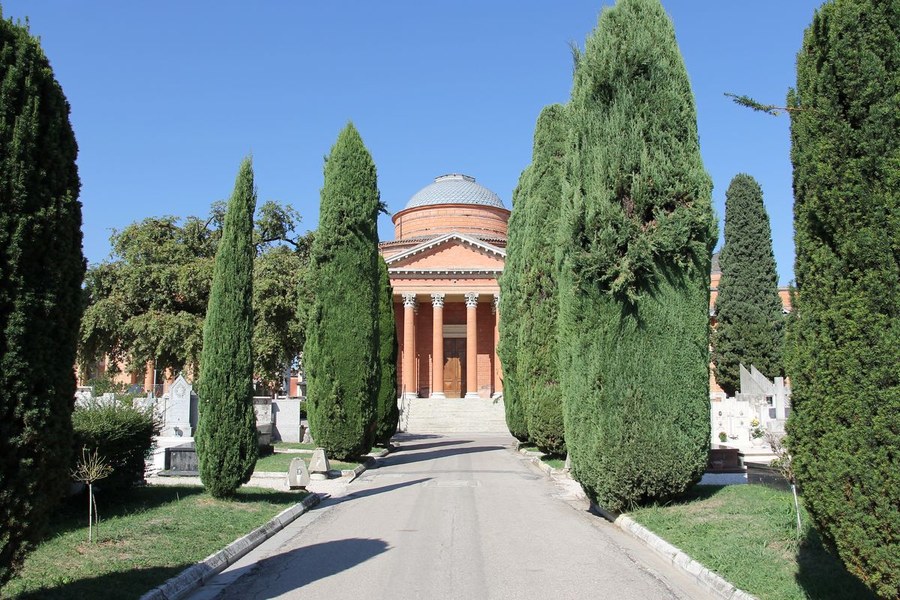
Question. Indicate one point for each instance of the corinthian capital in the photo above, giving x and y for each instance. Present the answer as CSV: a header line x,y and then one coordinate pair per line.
x,y
471,299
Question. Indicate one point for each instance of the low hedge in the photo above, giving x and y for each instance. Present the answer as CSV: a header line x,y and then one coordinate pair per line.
x,y
122,436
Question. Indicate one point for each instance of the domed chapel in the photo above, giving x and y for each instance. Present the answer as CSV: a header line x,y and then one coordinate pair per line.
x,y
444,263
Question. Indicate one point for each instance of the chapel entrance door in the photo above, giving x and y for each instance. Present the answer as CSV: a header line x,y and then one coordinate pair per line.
x,y
454,367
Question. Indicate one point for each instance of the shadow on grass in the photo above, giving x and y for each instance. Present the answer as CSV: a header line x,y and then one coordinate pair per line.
x,y
823,576
72,514
111,586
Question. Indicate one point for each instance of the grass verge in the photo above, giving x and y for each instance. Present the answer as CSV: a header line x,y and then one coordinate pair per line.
x,y
280,462
748,535
554,461
143,539
293,446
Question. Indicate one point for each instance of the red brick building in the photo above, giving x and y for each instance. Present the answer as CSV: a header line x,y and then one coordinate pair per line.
x,y
448,252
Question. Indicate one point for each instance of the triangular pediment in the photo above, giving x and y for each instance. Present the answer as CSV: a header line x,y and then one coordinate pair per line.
x,y
450,252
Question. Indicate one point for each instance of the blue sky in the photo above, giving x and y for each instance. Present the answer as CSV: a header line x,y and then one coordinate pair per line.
x,y
168,96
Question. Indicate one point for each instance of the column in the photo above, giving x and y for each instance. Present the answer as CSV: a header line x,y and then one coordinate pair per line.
x,y
409,346
437,348
472,345
498,374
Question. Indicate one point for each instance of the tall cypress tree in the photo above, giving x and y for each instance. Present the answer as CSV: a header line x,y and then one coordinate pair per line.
x,y
538,369
226,433
341,349
636,237
843,351
748,308
387,410
41,269
511,302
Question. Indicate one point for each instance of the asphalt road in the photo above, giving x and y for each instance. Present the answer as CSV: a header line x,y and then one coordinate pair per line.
x,y
459,517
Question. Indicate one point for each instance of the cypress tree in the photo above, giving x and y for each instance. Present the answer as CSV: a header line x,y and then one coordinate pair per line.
x,y
511,302
636,237
387,410
843,355
538,370
748,308
41,269
226,433
341,349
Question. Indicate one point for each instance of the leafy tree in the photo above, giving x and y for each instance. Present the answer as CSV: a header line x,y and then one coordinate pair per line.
x,y
387,410
147,303
842,350
41,268
226,432
341,349
748,307
538,369
511,303
636,236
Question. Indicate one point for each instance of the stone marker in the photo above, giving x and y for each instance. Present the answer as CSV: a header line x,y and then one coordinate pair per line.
x,y
298,475
318,465
177,415
262,406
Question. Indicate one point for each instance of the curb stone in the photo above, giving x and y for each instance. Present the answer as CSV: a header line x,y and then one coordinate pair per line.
x,y
712,581
706,578
370,460
535,458
193,577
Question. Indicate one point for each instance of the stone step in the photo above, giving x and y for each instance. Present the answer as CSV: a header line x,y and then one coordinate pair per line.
x,y
454,415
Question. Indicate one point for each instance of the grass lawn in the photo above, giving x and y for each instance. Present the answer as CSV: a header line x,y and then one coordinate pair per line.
x,y
554,461
293,446
748,534
149,536
280,462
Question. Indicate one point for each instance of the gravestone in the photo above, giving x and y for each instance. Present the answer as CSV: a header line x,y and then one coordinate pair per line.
x,y
177,413
262,406
182,459
298,475
83,396
319,465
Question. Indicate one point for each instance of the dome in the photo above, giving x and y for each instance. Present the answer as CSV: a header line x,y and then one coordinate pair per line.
x,y
454,189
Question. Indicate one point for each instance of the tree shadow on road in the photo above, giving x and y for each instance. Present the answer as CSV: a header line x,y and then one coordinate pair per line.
x,y
408,447
404,458
292,570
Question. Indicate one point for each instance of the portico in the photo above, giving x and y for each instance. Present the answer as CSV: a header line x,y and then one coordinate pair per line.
x,y
444,265
452,356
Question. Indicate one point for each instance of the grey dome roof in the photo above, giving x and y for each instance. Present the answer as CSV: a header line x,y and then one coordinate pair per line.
x,y
454,189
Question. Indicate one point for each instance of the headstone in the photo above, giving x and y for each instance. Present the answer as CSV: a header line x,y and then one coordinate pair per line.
x,y
182,459
305,435
177,414
262,406
84,395
319,465
298,475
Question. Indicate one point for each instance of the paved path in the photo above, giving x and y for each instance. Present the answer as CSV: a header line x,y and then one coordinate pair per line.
x,y
458,517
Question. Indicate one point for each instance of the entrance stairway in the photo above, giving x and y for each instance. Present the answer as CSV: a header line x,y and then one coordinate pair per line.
x,y
453,415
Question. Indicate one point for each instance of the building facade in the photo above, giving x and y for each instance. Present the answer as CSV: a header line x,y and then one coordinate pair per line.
x,y
444,263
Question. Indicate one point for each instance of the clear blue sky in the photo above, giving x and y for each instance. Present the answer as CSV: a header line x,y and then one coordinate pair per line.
x,y
168,96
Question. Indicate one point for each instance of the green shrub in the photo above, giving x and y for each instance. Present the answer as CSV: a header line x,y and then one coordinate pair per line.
x,y
635,239
122,436
538,371
41,270
842,352
511,302
341,351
